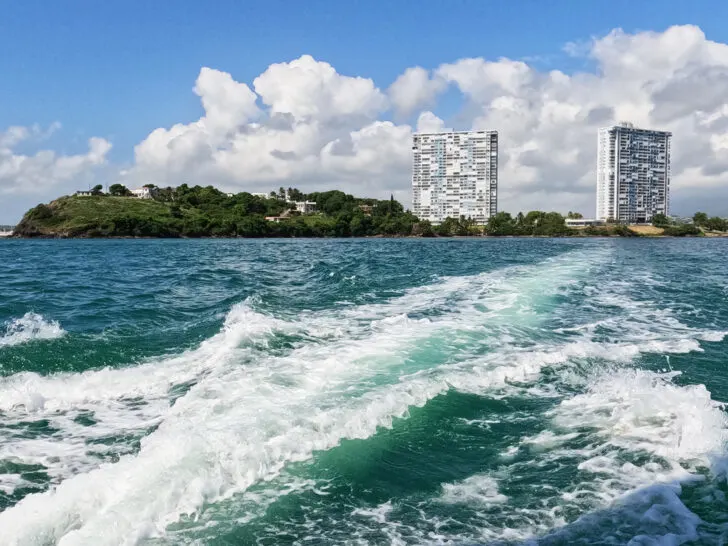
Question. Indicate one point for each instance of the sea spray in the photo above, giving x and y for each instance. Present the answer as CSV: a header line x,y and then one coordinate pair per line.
x,y
30,327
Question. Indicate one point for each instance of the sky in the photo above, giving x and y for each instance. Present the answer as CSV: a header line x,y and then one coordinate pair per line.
x,y
251,96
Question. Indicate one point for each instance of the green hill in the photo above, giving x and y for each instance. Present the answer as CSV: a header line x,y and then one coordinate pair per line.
x,y
92,216
207,212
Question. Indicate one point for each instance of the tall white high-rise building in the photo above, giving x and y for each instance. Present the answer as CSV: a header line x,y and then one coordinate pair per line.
x,y
633,174
455,174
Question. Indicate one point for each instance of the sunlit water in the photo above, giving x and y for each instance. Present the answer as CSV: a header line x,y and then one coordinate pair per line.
x,y
363,392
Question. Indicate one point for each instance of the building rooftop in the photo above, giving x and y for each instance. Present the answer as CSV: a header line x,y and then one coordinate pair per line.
x,y
630,126
453,133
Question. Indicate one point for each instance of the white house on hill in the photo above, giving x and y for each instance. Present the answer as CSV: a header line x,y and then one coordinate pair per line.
x,y
142,193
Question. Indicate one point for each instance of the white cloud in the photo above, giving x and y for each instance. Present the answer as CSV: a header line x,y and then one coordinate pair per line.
x,y
310,89
227,103
415,89
44,171
302,123
427,122
319,128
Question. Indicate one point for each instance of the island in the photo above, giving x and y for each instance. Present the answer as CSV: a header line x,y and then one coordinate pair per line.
x,y
205,211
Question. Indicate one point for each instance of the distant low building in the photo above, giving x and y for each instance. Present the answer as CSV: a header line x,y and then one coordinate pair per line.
x,y
304,207
230,194
84,193
142,193
285,215
583,222
261,195
366,209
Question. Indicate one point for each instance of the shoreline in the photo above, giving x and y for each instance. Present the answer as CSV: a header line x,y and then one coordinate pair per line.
x,y
367,237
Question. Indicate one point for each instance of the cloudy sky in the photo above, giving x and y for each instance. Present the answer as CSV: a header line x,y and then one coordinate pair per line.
x,y
247,97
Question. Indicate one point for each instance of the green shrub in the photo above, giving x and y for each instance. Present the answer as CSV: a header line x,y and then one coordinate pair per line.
x,y
40,212
685,230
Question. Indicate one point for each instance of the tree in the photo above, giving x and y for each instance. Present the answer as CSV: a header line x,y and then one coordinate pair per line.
x,y
165,195
97,189
551,224
660,220
119,190
40,212
500,223
533,218
700,218
360,225
296,195
574,215
716,224
423,229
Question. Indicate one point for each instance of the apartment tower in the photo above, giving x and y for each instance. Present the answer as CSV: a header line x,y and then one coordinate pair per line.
x,y
455,174
633,174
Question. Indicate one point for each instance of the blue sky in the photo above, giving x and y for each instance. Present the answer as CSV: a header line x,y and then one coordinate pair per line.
x,y
118,70
121,69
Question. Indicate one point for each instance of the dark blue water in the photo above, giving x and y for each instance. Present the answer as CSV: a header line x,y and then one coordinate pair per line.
x,y
363,392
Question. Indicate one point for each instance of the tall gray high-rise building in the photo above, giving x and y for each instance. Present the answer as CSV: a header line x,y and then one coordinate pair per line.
x,y
455,174
633,174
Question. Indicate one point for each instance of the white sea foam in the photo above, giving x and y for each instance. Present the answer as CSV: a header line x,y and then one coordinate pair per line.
x,y
475,490
247,414
29,327
640,411
119,401
680,429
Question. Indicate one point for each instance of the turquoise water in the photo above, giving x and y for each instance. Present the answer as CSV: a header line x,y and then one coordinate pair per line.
x,y
520,391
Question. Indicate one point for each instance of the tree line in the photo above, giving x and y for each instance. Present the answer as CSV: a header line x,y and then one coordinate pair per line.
x,y
205,211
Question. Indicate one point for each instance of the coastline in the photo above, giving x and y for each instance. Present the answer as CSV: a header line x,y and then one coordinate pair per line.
x,y
367,237
206,213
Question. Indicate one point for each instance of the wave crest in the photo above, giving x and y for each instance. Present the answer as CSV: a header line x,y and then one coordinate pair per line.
x,y
29,327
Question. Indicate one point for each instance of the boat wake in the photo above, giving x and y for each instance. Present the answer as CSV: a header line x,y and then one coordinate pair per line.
x,y
221,424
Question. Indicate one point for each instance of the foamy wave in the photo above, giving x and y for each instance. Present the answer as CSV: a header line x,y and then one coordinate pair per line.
x,y
239,424
243,415
475,490
29,327
675,432
121,402
642,410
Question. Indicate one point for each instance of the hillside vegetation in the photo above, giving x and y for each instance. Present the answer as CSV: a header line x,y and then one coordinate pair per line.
x,y
207,212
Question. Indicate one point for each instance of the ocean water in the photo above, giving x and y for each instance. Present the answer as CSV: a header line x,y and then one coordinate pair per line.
x,y
314,392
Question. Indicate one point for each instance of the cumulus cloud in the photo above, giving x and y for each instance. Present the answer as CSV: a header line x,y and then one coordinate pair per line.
x,y
310,89
22,174
415,89
427,122
318,128
303,123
